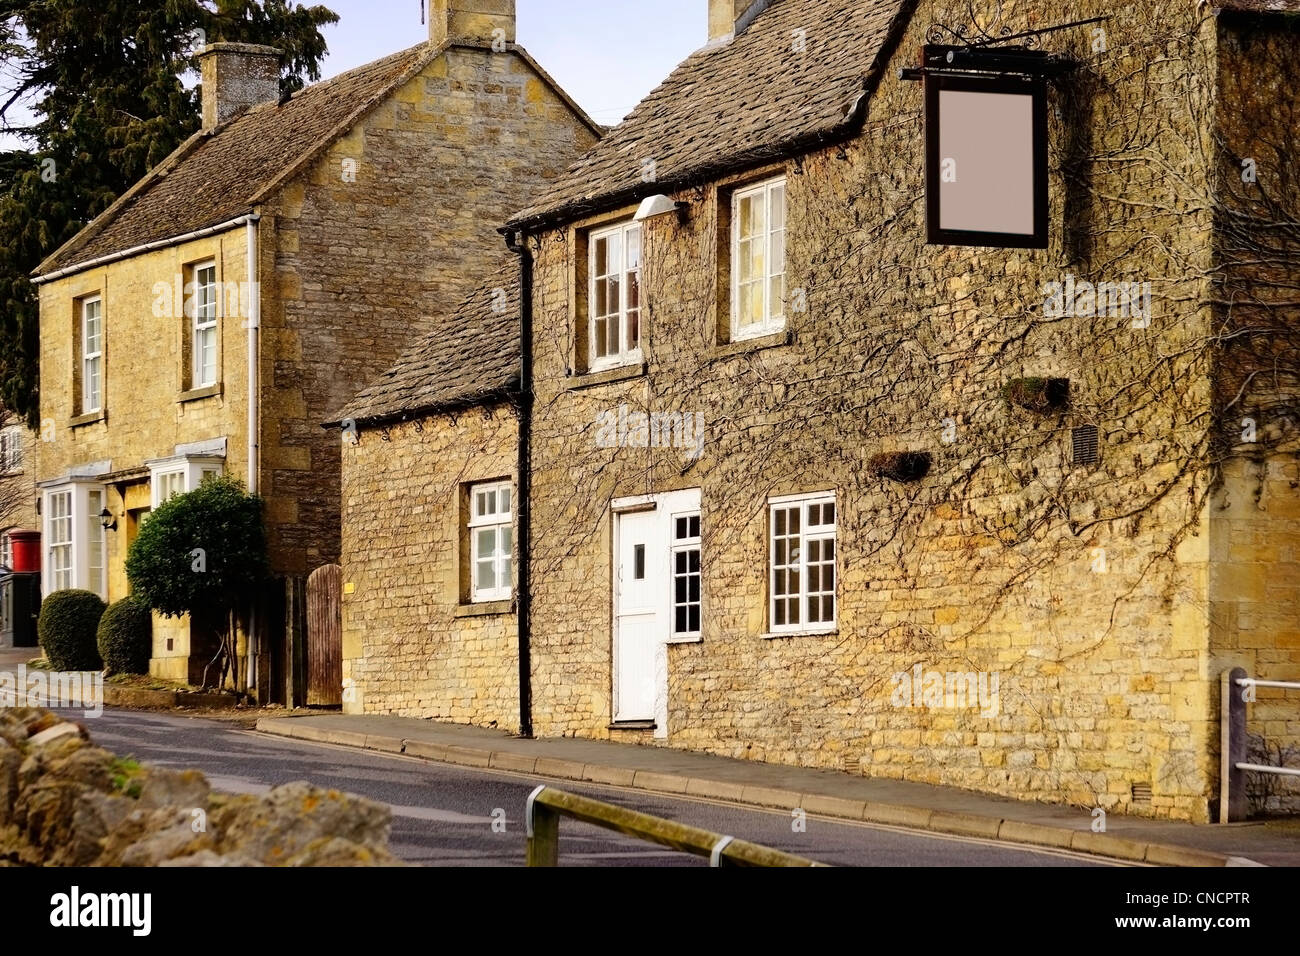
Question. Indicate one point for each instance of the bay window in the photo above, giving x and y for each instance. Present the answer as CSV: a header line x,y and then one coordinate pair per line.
x,y
74,539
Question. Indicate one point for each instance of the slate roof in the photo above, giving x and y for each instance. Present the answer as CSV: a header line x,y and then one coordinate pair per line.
x,y
471,357
742,103
219,175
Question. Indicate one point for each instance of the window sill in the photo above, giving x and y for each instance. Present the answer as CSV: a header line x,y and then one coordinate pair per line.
x,y
686,639
197,394
93,418
485,609
810,632
758,343
621,374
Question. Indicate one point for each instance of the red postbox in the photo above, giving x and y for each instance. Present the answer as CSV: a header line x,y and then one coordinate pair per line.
x,y
26,548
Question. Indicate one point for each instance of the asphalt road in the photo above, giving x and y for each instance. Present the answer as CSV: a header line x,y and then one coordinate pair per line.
x,y
444,815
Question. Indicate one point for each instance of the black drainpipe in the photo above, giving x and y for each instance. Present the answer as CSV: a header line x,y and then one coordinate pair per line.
x,y
517,242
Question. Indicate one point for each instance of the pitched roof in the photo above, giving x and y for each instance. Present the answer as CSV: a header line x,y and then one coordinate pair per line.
x,y
219,175
751,100
472,356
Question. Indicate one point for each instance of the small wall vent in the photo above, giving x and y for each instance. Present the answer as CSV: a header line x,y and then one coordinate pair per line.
x,y
1087,445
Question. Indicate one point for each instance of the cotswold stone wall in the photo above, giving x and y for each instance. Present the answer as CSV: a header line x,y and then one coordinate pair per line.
x,y
395,224
1255,540
1084,589
412,643
66,802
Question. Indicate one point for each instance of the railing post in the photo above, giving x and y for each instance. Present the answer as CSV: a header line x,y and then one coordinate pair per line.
x,y
1232,746
543,826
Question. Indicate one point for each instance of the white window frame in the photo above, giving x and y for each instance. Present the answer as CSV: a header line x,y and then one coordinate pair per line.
x,y
773,319
191,469
6,551
806,536
70,532
685,545
204,313
91,403
96,542
502,557
11,449
60,540
626,353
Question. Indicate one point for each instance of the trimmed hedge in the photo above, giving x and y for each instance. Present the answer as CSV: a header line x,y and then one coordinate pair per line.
x,y
125,637
67,629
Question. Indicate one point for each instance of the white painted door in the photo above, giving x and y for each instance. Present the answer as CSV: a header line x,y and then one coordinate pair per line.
x,y
640,584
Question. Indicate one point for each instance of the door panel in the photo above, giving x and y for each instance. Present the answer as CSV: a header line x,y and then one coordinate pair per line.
x,y
640,582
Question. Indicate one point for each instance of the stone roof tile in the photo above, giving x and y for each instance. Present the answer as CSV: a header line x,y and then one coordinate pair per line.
x,y
794,76
215,177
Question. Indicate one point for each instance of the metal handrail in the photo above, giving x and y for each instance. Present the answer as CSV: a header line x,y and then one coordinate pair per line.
x,y
1233,766
546,805
1252,682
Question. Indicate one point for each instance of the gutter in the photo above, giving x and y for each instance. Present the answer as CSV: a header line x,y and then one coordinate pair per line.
x,y
147,247
517,242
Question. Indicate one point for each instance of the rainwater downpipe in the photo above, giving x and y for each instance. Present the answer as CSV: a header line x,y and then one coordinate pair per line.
x,y
517,242
254,408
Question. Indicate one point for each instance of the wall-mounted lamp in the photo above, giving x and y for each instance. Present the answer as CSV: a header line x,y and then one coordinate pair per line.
x,y
107,521
659,205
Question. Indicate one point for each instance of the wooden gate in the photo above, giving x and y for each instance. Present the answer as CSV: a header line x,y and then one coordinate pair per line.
x,y
325,637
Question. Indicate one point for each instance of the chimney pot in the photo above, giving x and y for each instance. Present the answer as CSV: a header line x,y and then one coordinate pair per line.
x,y
481,21
237,76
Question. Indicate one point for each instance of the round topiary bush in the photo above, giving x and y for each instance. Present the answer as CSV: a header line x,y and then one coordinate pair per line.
x,y
67,629
125,637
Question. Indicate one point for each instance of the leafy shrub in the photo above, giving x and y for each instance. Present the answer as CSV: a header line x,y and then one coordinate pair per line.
x,y
200,552
125,637
67,630
203,554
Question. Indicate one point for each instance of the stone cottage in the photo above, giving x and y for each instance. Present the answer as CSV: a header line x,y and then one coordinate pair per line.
x,y
256,280
902,394
429,489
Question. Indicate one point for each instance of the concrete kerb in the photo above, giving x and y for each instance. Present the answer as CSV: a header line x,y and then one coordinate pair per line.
x,y
914,818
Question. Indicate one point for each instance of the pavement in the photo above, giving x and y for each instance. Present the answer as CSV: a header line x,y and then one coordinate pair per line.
x,y
449,815
824,793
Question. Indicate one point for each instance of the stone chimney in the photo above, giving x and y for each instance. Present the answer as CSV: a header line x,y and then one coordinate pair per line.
x,y
730,17
237,76
482,21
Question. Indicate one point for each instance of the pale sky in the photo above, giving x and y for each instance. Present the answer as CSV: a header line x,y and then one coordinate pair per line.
x,y
607,54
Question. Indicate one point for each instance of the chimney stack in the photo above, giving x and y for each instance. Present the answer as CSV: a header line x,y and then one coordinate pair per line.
x,y
727,18
482,21
235,77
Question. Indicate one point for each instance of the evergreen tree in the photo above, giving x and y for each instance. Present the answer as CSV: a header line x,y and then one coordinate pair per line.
x,y
110,104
